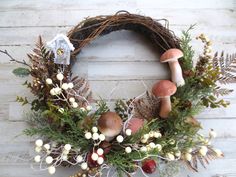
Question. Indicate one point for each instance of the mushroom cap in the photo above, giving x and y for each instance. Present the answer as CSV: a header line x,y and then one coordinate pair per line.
x,y
164,88
171,55
135,124
110,124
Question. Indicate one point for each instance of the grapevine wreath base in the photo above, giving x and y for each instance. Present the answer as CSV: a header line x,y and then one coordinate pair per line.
x,y
158,127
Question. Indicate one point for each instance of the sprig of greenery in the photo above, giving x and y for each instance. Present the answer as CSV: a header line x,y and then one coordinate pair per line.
x,y
187,60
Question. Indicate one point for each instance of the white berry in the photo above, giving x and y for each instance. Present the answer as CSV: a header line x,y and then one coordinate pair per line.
x,y
82,109
94,156
60,76
94,129
39,143
151,134
170,156
72,100
146,136
159,147
203,150
88,135
51,170
49,81
64,86
65,152
64,157
128,132
38,149
75,105
218,152
70,85
100,151
157,134
119,139
49,160
189,150
143,140
152,145
188,156
57,90
84,166
67,147
89,108
37,158
128,150
52,91
79,158
102,137
178,154
46,146
100,160
95,136
143,149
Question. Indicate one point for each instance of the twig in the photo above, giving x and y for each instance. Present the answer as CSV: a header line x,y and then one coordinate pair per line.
x,y
13,59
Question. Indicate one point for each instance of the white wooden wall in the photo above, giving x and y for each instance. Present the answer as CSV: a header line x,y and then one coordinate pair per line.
x,y
121,58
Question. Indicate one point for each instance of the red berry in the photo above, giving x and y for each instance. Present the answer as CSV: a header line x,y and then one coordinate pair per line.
x,y
149,166
91,162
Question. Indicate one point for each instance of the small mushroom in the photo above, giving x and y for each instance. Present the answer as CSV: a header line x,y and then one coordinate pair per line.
x,y
171,56
164,89
110,124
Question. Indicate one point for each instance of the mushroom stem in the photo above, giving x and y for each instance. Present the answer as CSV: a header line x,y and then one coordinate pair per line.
x,y
165,107
176,73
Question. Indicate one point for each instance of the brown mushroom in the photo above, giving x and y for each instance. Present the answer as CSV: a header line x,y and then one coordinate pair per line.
x,y
171,56
110,124
164,89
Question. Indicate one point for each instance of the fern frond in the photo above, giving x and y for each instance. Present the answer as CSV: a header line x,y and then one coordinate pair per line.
x,y
227,67
147,107
221,91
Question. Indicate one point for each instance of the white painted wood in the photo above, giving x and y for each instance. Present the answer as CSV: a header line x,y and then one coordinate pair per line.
x,y
121,58
105,4
42,17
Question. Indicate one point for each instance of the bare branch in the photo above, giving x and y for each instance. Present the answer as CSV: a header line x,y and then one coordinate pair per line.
x,y
13,59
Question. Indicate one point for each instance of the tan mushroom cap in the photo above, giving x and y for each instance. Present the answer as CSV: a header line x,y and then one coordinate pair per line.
x,y
164,88
110,124
170,55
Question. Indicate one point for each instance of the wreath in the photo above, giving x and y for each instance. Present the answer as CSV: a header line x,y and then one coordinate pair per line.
x,y
142,133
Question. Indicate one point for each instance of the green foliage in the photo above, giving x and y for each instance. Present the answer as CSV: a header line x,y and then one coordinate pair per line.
x,y
21,72
187,60
102,108
60,127
121,109
22,100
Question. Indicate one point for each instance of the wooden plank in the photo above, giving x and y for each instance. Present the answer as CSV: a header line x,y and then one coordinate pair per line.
x,y
119,4
10,36
12,132
29,17
65,4
215,4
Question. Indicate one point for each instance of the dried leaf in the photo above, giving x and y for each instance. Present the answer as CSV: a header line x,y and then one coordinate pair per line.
x,y
227,66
